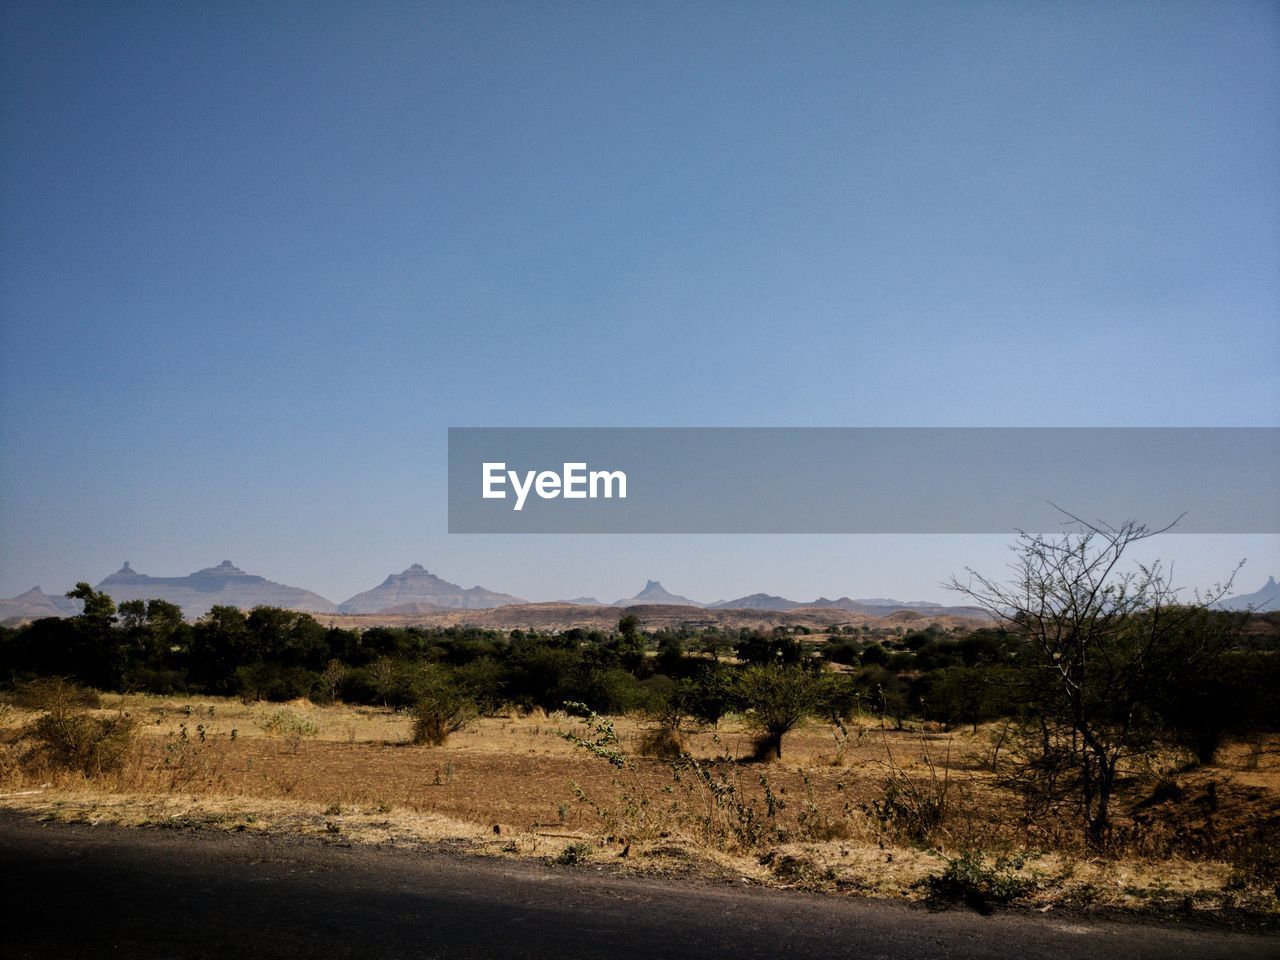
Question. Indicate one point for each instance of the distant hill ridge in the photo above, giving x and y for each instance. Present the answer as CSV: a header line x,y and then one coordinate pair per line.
x,y
417,590
1266,599
418,587
223,585
35,604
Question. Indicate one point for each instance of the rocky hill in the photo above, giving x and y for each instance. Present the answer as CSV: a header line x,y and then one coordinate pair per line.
x,y
225,584
1268,598
420,588
878,607
757,601
656,594
35,604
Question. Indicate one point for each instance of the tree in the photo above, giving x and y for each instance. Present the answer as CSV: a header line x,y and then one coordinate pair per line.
x,y
1101,642
630,643
441,707
777,698
756,647
99,608
95,650
220,643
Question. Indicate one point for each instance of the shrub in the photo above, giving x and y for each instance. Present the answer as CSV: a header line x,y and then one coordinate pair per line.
x,y
52,694
289,725
76,740
663,742
441,708
968,879
574,854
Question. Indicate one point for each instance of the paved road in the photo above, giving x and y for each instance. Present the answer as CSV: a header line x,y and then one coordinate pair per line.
x,y
74,891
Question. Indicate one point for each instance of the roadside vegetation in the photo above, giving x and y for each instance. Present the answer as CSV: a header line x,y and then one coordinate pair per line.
x,y
1101,742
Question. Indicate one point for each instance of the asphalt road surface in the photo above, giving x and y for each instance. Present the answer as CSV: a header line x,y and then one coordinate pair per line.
x,y
73,891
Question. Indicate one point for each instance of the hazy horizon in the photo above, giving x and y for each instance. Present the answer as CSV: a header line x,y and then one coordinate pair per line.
x,y
903,571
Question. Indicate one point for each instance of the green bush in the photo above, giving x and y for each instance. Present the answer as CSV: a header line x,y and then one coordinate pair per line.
x,y
442,707
968,879
574,854
289,725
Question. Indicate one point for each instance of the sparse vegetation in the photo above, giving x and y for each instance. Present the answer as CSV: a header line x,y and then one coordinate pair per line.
x,y
968,765
971,880
68,736
291,726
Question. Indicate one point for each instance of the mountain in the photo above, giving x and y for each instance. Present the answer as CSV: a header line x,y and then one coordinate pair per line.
x,y
757,601
897,604
1268,598
587,602
417,586
35,604
223,585
654,592
877,607
881,607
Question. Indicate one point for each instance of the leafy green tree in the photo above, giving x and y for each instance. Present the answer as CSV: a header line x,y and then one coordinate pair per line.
x,y
99,609
220,644
630,643
768,648
776,699
670,656
98,656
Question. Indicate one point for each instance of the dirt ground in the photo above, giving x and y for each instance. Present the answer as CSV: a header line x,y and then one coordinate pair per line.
x,y
514,786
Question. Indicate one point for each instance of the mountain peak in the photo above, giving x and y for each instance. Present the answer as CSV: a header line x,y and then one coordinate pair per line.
x,y
655,592
417,589
124,571
225,569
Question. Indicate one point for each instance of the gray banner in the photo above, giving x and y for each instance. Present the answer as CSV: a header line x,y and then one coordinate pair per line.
x,y
859,480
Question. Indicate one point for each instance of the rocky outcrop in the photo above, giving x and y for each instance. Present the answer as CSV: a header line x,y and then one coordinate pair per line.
x,y
418,587
225,585
656,593
1268,598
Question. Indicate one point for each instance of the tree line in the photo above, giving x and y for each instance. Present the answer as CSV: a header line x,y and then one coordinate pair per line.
x,y
1087,671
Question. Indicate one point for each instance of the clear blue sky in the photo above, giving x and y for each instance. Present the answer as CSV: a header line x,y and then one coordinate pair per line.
x,y
255,258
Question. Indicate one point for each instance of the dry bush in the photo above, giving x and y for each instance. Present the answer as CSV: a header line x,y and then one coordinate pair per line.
x,y
725,815
441,710
292,726
71,739
51,694
633,813
914,809
662,742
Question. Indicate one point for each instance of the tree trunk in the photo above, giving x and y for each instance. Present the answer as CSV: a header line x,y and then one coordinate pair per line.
x,y
769,745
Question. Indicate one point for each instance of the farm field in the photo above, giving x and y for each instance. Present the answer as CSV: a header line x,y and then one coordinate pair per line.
x,y
866,809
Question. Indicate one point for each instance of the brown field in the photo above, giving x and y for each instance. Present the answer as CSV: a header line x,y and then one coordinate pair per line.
x,y
511,786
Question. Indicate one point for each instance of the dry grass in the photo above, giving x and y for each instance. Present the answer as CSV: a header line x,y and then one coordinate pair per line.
x,y
506,786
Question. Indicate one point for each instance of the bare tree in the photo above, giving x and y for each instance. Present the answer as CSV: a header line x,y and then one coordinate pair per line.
x,y
1103,638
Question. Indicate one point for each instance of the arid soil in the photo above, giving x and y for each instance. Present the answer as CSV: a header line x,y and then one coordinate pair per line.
x,y
513,787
